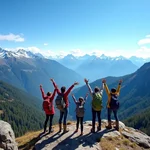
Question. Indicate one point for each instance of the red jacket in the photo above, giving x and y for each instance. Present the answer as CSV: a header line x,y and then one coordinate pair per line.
x,y
65,94
49,98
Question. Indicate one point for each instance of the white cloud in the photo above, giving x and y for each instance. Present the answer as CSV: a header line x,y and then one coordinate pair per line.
x,y
45,44
33,49
77,52
96,52
146,40
12,37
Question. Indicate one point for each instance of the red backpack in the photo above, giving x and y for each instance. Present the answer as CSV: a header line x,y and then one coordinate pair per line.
x,y
47,105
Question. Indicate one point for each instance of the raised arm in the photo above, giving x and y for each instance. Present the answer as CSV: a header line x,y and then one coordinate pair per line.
x,y
86,96
89,87
74,98
42,91
119,87
53,95
70,88
102,89
55,86
106,87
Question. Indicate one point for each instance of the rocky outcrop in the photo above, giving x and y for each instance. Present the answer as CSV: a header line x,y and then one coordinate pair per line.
x,y
7,137
138,137
73,141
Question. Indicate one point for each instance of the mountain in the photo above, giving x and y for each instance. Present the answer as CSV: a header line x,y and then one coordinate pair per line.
x,y
94,67
27,71
105,66
139,61
69,61
134,96
21,53
21,110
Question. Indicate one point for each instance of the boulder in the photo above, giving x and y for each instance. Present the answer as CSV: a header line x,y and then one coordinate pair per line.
x,y
7,137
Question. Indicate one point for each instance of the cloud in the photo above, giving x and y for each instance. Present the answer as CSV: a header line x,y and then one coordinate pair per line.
x,y
77,52
12,37
146,40
45,44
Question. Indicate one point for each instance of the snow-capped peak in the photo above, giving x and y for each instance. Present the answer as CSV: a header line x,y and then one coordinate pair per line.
x,y
21,53
119,58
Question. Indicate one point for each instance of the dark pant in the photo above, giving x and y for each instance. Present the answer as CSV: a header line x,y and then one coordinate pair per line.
x,y
115,114
79,120
50,123
63,114
94,118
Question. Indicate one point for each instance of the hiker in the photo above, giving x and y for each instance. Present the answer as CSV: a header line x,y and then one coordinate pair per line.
x,y
48,107
112,103
96,105
62,104
80,111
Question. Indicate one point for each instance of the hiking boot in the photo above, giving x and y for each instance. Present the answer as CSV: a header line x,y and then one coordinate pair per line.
x,y
117,126
51,130
65,129
81,134
93,130
98,128
109,125
76,130
60,127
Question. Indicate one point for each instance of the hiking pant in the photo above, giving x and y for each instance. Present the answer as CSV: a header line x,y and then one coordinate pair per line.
x,y
94,118
115,114
63,114
50,123
79,120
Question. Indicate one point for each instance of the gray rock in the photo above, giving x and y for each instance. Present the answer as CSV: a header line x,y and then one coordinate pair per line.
x,y
138,137
7,137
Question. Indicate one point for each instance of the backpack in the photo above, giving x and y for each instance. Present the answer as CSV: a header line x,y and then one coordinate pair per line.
x,y
80,110
47,105
97,101
60,103
114,103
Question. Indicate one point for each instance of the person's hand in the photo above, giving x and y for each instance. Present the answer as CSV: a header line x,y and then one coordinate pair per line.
x,y
40,86
72,94
120,81
86,81
104,81
76,83
52,80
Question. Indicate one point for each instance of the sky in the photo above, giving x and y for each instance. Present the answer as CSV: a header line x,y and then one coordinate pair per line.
x,y
61,27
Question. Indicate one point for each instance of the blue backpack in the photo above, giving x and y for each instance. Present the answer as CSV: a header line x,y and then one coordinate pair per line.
x,y
114,103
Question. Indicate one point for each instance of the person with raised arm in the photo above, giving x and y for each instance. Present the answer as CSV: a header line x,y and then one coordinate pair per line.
x,y
48,107
62,103
80,110
96,104
112,103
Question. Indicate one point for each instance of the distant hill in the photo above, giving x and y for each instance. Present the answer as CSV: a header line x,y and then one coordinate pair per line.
x,y
23,111
134,96
27,71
